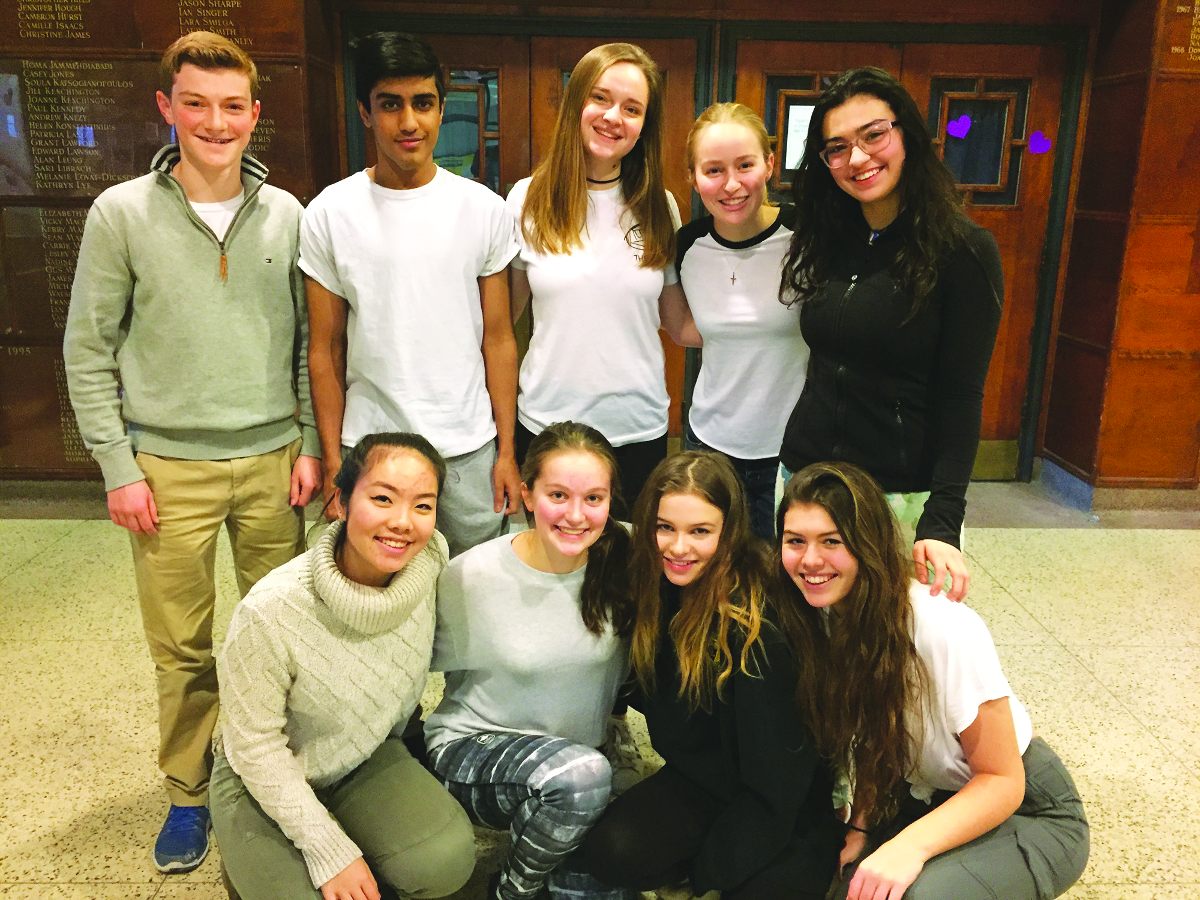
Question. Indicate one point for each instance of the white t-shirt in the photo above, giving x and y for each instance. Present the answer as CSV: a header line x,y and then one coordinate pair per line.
x,y
407,263
755,357
595,355
964,671
219,216
516,653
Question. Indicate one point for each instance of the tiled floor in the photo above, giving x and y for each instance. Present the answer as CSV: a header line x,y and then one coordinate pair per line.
x,y
1099,629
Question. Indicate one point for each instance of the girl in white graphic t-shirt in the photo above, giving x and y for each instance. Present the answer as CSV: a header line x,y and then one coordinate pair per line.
x,y
597,241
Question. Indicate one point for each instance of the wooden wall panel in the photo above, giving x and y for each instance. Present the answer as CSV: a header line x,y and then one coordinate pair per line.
x,y
1162,257
38,436
1149,435
1169,180
259,26
1111,145
77,83
1125,42
1089,306
1016,12
1076,400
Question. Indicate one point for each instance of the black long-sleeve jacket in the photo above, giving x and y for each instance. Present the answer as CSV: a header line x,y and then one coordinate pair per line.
x,y
903,400
750,752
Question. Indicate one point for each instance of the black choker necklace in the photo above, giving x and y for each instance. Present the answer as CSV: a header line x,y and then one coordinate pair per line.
x,y
617,177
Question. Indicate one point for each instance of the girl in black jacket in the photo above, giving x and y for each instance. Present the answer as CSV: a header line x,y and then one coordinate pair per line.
x,y
901,299
743,804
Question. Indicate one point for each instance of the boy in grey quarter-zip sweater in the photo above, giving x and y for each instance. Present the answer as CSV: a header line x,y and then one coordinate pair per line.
x,y
186,363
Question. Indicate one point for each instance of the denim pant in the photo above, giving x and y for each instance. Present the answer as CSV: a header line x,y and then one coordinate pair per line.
x,y
758,480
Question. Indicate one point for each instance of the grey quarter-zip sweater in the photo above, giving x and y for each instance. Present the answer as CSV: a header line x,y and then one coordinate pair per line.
x,y
181,344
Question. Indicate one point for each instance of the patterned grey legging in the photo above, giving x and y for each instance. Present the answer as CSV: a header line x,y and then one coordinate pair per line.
x,y
546,790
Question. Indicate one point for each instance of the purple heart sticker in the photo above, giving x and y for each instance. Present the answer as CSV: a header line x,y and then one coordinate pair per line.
x,y
1038,143
959,127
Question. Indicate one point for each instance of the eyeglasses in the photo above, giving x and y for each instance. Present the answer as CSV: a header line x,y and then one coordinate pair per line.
x,y
872,138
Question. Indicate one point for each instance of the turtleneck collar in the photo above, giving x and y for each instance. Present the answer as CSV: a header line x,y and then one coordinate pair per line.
x,y
372,610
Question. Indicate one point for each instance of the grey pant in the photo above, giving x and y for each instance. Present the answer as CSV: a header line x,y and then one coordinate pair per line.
x,y
1036,854
546,790
413,835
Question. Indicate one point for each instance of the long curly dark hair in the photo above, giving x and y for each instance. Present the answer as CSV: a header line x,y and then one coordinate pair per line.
x,y
931,219
861,685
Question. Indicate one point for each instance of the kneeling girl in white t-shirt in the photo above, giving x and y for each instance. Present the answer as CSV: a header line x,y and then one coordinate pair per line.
x,y
953,795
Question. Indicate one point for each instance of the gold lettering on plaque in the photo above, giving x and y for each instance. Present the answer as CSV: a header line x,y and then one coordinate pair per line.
x,y
213,15
73,108
61,233
52,20
74,450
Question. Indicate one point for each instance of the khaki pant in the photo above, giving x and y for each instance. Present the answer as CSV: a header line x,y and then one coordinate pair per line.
x,y
177,592
414,836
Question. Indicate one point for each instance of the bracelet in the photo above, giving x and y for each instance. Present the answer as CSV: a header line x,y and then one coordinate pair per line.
x,y
854,827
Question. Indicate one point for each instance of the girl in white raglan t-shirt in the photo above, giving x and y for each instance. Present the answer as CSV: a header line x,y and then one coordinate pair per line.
x,y
596,238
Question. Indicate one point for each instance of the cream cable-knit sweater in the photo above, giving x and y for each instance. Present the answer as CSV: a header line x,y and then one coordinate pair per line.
x,y
315,673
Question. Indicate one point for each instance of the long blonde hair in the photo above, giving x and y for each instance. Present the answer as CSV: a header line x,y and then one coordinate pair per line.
x,y
729,594
556,204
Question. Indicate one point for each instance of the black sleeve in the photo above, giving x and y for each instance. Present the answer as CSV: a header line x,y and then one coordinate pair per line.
x,y
971,292
686,236
776,760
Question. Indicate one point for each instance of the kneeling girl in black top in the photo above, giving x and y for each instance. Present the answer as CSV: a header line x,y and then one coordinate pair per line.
x,y
743,804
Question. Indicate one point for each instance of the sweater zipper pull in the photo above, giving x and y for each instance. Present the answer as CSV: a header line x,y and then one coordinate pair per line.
x,y
224,265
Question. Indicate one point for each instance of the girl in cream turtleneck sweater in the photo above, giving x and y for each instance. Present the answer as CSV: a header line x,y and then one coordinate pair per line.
x,y
313,793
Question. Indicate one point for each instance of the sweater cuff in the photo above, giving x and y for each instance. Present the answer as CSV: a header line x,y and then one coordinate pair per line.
x,y
328,852
118,466
310,443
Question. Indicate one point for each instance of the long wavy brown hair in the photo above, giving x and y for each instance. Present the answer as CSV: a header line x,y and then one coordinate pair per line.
x,y
556,205
861,686
729,595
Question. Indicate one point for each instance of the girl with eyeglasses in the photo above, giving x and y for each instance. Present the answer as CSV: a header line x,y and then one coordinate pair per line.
x,y
900,299
954,795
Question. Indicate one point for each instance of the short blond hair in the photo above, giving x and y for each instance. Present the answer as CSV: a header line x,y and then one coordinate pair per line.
x,y
727,113
205,50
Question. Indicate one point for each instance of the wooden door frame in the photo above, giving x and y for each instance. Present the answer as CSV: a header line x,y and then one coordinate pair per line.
x,y
1074,41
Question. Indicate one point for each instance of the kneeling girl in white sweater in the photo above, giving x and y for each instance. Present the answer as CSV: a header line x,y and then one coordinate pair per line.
x,y
313,793
531,634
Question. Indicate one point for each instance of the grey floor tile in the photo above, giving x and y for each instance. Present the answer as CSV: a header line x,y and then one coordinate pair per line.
x,y
1161,689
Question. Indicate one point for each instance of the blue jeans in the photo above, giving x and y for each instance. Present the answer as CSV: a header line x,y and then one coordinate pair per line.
x,y
758,481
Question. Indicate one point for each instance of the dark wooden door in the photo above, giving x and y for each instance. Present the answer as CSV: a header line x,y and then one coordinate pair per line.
x,y
1004,103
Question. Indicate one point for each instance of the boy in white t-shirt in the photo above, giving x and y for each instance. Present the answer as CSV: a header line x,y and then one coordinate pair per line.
x,y
406,267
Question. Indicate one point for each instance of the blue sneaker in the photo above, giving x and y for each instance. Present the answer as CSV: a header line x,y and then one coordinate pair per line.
x,y
183,842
